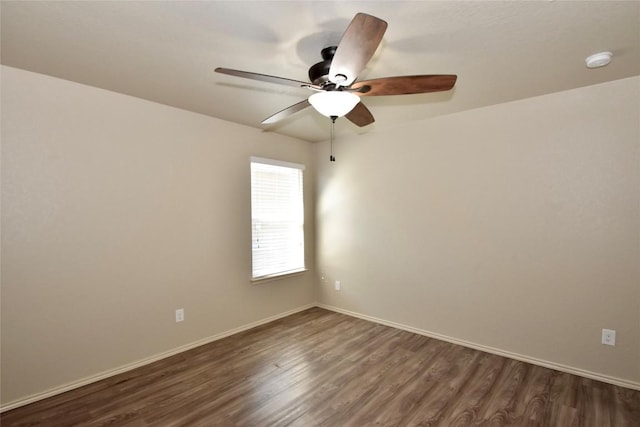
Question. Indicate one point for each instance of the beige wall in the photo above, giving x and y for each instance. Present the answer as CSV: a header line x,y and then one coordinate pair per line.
x,y
515,227
116,212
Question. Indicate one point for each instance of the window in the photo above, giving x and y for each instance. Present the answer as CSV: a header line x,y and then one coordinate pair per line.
x,y
277,218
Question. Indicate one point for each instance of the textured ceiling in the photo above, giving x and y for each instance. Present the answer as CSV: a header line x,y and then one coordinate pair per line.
x,y
166,51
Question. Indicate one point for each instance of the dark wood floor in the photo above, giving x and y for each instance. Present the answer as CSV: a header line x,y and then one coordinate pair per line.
x,y
323,368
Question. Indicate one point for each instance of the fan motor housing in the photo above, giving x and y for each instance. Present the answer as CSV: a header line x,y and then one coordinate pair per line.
x,y
319,73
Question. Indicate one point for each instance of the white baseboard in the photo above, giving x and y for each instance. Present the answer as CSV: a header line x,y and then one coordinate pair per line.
x,y
110,373
128,367
544,363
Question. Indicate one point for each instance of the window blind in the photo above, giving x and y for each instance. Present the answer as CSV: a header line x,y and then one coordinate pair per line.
x,y
277,217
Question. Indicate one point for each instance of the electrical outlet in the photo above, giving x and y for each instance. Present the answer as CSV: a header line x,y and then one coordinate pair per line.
x,y
608,337
180,315
337,285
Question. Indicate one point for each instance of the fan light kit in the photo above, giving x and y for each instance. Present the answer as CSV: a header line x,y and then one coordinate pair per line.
x,y
334,79
598,60
335,103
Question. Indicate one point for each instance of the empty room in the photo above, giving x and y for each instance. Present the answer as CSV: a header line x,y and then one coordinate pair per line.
x,y
320,213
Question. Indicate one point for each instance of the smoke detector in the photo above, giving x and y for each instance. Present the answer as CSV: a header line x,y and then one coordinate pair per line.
x,y
598,60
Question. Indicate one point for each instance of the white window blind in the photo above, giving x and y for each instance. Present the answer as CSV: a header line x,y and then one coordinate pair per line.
x,y
277,218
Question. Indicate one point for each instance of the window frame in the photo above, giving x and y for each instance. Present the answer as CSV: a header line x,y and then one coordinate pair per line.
x,y
298,222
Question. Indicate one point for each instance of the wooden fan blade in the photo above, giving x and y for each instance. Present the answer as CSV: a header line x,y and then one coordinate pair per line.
x,y
358,44
360,115
286,112
404,85
265,78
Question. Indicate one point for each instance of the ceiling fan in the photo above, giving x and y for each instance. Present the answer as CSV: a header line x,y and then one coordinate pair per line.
x,y
337,93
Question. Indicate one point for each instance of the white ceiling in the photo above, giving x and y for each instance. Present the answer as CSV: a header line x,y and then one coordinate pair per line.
x,y
166,51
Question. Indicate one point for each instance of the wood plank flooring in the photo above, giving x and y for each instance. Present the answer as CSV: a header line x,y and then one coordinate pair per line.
x,y
320,368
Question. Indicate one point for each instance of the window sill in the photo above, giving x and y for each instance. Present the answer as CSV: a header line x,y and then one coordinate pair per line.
x,y
277,276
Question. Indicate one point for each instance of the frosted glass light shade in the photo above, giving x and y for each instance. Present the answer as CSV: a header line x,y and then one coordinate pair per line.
x,y
334,103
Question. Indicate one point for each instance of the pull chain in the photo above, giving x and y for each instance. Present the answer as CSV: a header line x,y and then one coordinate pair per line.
x,y
332,158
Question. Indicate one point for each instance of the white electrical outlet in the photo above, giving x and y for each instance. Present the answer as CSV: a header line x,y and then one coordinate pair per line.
x,y
180,315
608,337
337,285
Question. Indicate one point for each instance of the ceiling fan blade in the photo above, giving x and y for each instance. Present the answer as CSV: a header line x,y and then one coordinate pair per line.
x,y
286,112
404,85
265,78
358,44
360,115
